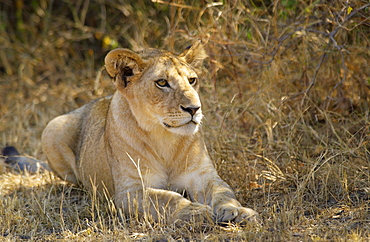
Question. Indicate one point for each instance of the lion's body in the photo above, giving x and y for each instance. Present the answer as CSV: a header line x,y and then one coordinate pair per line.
x,y
78,136
142,142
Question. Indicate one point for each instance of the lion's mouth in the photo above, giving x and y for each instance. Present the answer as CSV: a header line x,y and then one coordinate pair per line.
x,y
170,126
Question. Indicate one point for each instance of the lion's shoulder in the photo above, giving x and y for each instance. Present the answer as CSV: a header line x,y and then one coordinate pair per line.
x,y
92,115
95,108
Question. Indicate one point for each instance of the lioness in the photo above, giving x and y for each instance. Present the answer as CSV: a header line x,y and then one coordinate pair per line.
x,y
141,145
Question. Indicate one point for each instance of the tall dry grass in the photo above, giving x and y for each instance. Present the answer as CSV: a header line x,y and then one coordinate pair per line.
x,y
286,103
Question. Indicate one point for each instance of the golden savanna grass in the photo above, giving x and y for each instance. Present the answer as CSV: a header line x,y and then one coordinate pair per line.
x,y
286,103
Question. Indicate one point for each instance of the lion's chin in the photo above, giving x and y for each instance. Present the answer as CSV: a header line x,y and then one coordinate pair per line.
x,y
185,129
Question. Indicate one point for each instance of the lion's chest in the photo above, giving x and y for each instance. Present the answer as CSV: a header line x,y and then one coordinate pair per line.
x,y
161,170
150,158
160,179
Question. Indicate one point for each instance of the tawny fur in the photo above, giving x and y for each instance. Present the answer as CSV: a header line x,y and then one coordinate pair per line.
x,y
142,145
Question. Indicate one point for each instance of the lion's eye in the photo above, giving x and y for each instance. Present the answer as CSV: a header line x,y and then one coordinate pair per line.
x,y
193,81
162,83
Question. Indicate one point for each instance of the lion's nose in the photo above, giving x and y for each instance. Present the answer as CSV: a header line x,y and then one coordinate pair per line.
x,y
191,109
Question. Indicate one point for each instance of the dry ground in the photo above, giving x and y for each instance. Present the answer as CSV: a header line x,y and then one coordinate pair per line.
x,y
286,103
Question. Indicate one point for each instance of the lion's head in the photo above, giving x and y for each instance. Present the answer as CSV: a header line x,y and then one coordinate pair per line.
x,y
160,87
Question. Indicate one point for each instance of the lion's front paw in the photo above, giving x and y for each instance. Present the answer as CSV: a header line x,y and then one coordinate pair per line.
x,y
195,213
240,215
246,215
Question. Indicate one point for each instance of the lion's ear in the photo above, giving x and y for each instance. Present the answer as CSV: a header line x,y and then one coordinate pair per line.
x,y
194,55
123,63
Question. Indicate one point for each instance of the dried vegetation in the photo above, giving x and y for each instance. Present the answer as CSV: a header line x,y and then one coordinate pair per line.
x,y
286,100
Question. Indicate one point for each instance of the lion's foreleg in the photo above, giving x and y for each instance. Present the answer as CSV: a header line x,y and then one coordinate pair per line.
x,y
164,206
218,194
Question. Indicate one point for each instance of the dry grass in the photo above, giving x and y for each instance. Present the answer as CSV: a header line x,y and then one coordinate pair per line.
x,y
286,101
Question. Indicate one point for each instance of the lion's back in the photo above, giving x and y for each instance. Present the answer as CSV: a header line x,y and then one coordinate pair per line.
x,y
73,124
